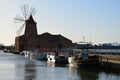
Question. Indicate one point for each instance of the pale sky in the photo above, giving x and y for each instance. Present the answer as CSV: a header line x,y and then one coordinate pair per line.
x,y
97,20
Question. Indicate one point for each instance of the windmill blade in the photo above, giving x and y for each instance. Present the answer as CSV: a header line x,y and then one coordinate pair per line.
x,y
26,10
31,8
19,31
23,9
18,19
32,11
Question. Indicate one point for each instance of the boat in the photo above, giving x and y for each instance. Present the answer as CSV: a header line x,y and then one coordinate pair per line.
x,y
40,56
55,57
27,54
6,51
83,59
34,55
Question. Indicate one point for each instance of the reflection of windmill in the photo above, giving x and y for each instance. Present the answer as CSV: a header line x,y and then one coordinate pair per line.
x,y
27,13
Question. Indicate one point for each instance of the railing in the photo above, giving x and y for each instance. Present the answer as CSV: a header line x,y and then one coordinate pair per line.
x,y
104,50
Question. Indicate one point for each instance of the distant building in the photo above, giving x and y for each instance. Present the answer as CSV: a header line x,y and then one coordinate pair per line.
x,y
30,40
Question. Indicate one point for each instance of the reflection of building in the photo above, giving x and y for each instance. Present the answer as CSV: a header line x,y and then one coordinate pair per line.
x,y
31,40
30,71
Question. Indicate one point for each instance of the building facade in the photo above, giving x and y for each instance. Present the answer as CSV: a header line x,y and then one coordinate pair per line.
x,y
30,40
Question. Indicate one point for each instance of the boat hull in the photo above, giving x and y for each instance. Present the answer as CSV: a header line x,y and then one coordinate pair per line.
x,y
40,56
57,59
79,62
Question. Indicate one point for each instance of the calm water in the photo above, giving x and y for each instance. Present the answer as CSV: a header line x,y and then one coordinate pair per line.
x,y
16,67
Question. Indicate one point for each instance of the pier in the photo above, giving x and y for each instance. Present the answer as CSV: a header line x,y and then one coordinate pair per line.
x,y
107,55
110,58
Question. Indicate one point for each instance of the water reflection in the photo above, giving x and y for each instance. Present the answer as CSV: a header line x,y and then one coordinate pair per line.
x,y
25,70
111,69
16,67
110,72
77,73
51,64
88,74
30,72
74,74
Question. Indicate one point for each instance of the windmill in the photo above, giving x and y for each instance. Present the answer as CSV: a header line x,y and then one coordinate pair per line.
x,y
26,13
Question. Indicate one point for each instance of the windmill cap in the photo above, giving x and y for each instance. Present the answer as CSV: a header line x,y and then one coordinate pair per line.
x,y
30,19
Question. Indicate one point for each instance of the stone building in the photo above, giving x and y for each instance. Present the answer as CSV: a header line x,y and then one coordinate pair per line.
x,y
30,40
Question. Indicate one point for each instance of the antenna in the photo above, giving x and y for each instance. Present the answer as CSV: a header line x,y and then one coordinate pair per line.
x,y
83,39
90,37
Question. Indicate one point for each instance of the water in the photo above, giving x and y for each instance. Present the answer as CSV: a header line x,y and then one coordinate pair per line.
x,y
16,67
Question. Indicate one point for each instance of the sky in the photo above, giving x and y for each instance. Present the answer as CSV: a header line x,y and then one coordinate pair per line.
x,y
97,21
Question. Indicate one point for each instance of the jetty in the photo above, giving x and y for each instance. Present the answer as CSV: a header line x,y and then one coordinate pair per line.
x,y
110,58
107,55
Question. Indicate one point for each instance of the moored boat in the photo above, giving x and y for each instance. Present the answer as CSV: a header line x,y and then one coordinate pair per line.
x,y
6,51
83,59
40,56
34,55
92,60
27,53
56,58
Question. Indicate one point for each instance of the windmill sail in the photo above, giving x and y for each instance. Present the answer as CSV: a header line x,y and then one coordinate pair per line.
x,y
26,13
